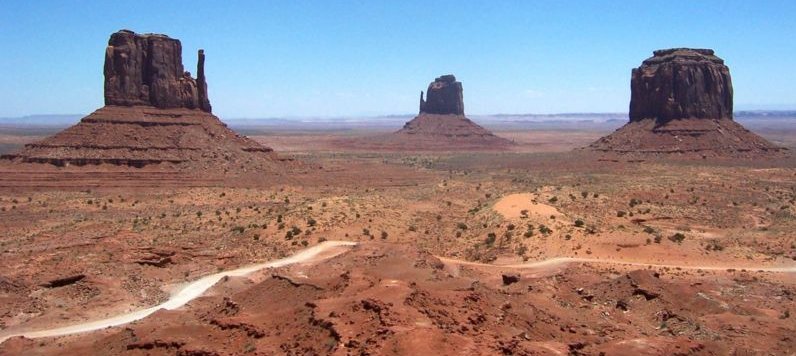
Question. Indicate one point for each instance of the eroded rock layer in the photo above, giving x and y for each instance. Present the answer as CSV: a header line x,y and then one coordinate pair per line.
x,y
140,135
681,103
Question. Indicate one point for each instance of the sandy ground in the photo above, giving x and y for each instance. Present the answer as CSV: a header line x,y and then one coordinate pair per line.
x,y
514,206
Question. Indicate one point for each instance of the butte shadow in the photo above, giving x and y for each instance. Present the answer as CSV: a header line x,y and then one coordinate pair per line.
x,y
681,106
155,115
440,126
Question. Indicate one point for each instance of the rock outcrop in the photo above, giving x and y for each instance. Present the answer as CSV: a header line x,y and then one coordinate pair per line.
x,y
441,124
681,83
155,113
681,103
444,97
146,69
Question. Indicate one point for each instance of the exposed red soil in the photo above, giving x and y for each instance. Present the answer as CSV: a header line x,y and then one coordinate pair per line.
x,y
395,299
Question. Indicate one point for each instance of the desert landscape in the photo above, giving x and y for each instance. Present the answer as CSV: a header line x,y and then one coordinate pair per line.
x,y
151,226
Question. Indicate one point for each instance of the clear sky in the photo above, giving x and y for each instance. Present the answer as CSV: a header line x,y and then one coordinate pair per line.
x,y
344,58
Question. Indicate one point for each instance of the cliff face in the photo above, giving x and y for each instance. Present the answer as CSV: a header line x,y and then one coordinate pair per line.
x,y
444,97
147,70
681,83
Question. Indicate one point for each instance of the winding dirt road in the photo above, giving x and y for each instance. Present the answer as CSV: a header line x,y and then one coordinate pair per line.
x,y
188,292
317,253
566,260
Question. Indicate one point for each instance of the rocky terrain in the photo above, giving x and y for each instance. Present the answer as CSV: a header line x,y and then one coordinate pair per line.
x,y
393,299
681,104
71,255
156,114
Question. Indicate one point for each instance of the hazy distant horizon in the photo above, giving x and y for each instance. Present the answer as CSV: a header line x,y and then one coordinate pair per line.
x,y
68,119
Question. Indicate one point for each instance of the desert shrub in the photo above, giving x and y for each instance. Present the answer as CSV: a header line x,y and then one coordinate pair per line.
x,y
620,214
239,229
198,214
584,194
633,202
384,235
412,228
366,232
461,226
678,237
490,239
657,239
579,223
649,229
553,199
714,246
311,222
510,227
545,230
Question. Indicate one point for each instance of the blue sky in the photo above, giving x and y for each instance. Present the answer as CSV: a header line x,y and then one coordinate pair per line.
x,y
344,58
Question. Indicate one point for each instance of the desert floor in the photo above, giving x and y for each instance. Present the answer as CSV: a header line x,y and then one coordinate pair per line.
x,y
85,243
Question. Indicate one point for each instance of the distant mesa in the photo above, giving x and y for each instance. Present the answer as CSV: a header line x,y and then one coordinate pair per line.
x,y
681,104
154,113
441,123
